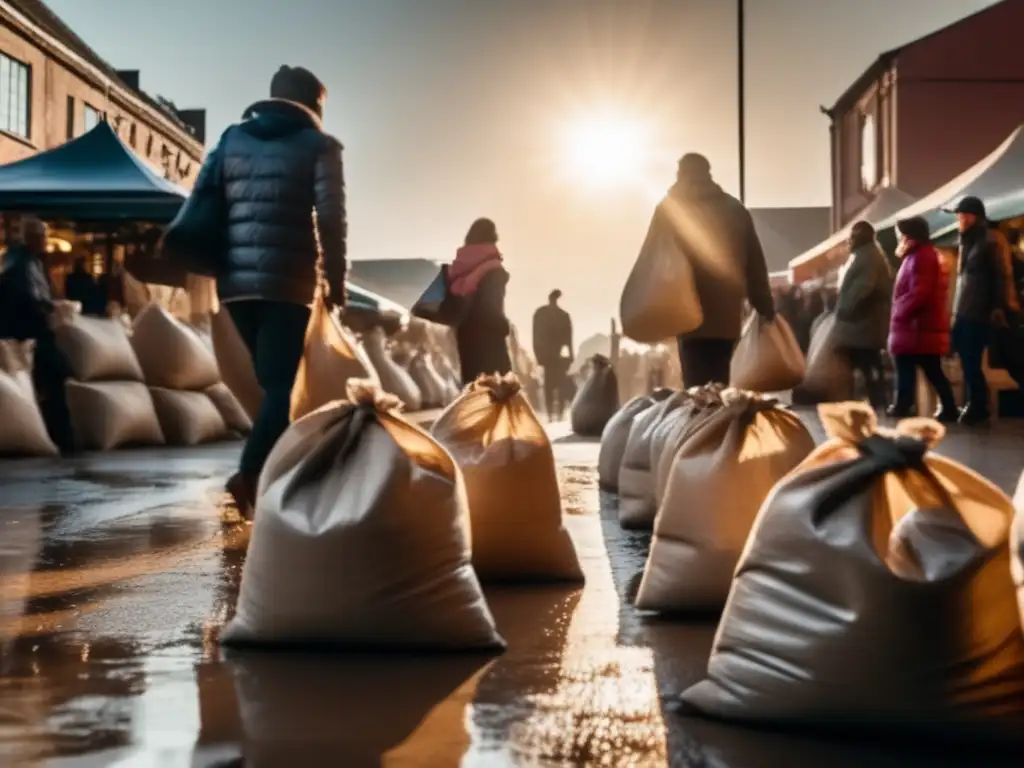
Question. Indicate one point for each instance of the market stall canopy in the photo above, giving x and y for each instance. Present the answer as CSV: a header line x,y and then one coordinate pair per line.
x,y
94,177
364,299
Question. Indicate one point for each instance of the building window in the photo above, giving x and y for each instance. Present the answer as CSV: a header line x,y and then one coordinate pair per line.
x,y
14,96
93,116
133,135
149,146
71,118
868,153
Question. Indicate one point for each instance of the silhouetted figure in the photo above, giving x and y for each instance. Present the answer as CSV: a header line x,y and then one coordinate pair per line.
x,y
552,345
80,285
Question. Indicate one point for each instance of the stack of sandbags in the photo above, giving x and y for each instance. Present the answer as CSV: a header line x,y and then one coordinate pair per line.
x,y
509,468
434,389
597,400
453,383
636,478
394,379
22,428
675,428
719,478
1017,546
361,538
616,434
235,363
874,594
108,399
180,370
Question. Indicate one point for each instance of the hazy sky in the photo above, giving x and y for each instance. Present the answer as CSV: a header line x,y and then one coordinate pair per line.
x,y
454,109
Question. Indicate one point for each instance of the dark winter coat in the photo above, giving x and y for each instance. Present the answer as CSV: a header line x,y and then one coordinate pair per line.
x,y
26,298
552,330
482,334
981,281
920,318
278,166
865,296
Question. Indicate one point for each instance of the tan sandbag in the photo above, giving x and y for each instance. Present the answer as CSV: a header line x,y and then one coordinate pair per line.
x,y
768,357
22,428
235,363
719,478
433,389
660,299
332,357
515,505
98,349
171,354
597,400
1017,547
234,415
394,379
111,414
361,538
636,481
829,375
188,418
616,434
874,593
703,403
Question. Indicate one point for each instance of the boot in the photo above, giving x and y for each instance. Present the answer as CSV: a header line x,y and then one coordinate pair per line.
x,y
243,491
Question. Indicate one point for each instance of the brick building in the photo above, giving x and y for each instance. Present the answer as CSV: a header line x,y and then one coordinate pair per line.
x,y
54,87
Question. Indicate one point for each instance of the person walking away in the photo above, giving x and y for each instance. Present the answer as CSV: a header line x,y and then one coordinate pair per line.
x,y
552,344
276,168
478,278
716,234
80,286
26,306
919,327
862,309
980,304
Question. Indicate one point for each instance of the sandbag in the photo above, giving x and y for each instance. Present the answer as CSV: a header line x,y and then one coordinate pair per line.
x,y
98,349
515,505
829,375
597,400
331,358
636,481
111,414
616,434
874,593
767,357
22,428
1017,547
361,538
720,476
188,418
703,403
235,363
394,379
171,354
433,389
660,298
234,415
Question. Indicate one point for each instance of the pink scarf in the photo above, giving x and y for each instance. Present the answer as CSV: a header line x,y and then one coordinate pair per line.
x,y
471,263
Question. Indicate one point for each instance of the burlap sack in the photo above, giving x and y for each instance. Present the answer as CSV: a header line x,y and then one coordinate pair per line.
x,y
98,349
361,537
188,418
636,478
235,362
332,357
703,403
234,415
829,376
616,434
111,414
432,387
597,400
1017,547
660,297
394,379
22,429
874,593
768,357
171,354
515,506
720,476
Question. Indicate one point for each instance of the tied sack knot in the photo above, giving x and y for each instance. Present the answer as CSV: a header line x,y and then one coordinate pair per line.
x,y
600,362
366,394
894,452
500,388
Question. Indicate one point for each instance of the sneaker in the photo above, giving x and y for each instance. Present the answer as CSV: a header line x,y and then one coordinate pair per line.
x,y
947,416
898,412
971,417
243,491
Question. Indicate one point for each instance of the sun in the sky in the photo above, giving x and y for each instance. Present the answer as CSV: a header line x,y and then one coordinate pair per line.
x,y
606,149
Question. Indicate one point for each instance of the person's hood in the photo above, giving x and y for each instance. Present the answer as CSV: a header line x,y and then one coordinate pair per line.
x,y
696,187
273,119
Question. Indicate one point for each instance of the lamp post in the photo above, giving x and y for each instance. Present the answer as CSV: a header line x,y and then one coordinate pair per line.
x,y
741,105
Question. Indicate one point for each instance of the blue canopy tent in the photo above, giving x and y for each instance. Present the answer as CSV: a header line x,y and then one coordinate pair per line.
x,y
93,178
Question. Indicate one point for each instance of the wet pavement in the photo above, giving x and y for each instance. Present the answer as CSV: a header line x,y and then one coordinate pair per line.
x,y
117,575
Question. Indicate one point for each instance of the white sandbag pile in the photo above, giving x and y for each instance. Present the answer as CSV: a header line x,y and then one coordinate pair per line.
x,y
235,416
874,594
675,429
235,363
1017,547
108,400
767,357
511,483
616,434
435,391
636,478
361,538
597,400
22,428
188,418
394,379
721,474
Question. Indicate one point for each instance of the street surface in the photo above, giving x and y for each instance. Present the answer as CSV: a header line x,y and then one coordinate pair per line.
x,y
113,660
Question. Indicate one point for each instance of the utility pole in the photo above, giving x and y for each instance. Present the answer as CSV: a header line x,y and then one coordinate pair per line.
x,y
741,106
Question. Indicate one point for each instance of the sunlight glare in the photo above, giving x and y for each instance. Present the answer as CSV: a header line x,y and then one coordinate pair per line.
x,y
605,150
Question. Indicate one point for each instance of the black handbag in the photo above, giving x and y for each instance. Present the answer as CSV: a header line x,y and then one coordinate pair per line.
x,y
438,304
196,241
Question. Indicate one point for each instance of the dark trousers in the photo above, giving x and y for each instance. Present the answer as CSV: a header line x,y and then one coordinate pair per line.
x,y
50,371
906,381
555,374
275,334
869,363
970,338
705,361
